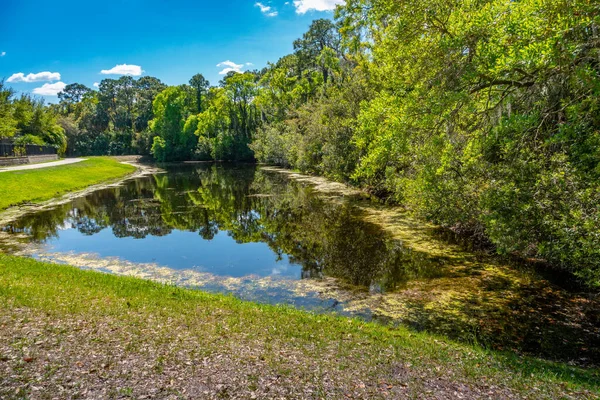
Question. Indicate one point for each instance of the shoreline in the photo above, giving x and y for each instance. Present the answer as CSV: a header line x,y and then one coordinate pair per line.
x,y
13,212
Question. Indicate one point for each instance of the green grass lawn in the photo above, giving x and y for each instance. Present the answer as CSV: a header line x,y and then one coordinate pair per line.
x,y
37,185
61,323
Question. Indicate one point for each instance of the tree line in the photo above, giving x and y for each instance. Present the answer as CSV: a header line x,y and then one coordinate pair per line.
x,y
27,120
482,116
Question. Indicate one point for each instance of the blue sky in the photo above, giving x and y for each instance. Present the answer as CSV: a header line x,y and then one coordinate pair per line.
x,y
171,40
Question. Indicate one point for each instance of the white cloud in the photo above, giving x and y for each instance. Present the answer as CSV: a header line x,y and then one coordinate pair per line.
x,y
39,77
249,63
262,7
302,6
96,84
2,54
50,89
230,66
123,69
266,10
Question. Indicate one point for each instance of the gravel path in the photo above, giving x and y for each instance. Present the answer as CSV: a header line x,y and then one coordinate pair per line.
x,y
42,165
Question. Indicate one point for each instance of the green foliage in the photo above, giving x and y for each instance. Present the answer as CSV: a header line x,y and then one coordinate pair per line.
x,y
71,95
317,135
29,139
112,120
33,119
273,145
200,86
228,121
159,149
171,109
8,123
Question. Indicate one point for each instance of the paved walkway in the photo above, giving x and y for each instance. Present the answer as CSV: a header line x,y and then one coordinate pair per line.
x,y
42,165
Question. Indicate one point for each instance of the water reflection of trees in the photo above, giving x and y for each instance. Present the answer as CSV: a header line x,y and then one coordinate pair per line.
x,y
130,210
325,237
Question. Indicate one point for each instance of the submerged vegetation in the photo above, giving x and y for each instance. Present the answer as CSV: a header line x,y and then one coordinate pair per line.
x,y
480,116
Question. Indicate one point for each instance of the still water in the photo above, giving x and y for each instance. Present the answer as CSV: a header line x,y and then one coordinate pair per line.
x,y
261,236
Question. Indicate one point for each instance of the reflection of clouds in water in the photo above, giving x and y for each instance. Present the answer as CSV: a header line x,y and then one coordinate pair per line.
x,y
67,224
317,295
199,268
279,269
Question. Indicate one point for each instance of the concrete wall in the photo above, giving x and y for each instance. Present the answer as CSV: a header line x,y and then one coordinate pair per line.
x,y
37,159
5,161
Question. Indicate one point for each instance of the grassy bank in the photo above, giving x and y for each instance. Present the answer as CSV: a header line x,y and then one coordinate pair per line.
x,y
69,332
45,183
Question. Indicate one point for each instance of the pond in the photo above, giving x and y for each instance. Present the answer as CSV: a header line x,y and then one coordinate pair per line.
x,y
261,235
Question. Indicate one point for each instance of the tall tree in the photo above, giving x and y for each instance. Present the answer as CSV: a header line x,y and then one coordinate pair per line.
x,y
72,94
321,34
200,86
8,123
147,88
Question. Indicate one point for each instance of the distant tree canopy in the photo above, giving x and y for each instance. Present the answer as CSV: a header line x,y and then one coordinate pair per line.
x,y
481,116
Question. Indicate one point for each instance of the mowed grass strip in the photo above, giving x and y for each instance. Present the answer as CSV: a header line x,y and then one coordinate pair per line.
x,y
17,187
141,336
